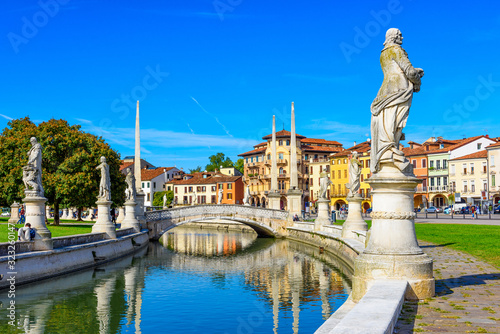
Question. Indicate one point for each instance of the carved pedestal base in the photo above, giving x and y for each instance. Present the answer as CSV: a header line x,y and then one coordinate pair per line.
x,y
392,251
14,213
139,210
323,214
130,218
121,214
294,199
35,215
354,221
104,223
274,200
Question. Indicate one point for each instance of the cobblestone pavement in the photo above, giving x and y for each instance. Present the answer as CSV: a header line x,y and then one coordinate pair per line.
x,y
467,296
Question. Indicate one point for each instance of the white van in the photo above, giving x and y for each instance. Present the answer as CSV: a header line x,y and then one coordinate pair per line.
x,y
457,207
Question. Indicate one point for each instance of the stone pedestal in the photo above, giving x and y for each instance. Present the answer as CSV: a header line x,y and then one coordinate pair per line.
x,y
294,198
121,214
354,221
130,218
35,215
104,223
323,214
140,196
14,213
274,200
47,212
392,251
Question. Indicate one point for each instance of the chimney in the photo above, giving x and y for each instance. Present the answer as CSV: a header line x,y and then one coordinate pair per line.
x,y
354,144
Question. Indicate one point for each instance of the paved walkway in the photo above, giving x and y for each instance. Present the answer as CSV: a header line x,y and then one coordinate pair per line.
x,y
467,296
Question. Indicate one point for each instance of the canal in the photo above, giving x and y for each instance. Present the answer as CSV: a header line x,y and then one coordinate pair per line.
x,y
192,281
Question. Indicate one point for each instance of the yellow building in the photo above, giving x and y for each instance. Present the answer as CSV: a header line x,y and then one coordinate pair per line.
x,y
339,175
469,176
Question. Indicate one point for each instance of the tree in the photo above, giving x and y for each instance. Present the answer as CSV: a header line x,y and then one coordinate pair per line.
x,y
240,165
158,197
69,159
218,160
196,170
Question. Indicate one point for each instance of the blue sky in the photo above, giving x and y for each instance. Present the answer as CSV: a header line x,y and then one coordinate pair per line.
x,y
210,74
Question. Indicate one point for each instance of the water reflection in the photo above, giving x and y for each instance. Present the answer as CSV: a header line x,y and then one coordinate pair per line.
x,y
211,282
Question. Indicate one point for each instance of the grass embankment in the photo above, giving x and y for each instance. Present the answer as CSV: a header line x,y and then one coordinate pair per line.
x,y
57,231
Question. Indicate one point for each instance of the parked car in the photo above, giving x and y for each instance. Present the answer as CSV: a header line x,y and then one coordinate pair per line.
x,y
457,207
434,209
465,210
5,214
448,209
497,209
369,210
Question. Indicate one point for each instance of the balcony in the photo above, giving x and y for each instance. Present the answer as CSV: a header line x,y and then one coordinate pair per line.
x,y
320,160
438,189
283,176
281,162
421,189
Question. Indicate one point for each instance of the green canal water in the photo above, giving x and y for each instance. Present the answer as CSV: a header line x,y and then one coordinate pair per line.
x,y
192,281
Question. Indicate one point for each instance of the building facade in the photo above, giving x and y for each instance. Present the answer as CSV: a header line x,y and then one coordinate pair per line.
x,y
469,177
493,172
155,180
257,166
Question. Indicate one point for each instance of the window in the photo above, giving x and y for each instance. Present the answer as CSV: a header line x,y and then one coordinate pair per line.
x,y
333,175
154,185
492,159
431,164
213,200
441,145
327,168
479,146
362,179
339,173
251,159
472,168
149,184
339,189
485,185
185,189
229,186
229,195
465,186
484,167
281,170
452,169
493,180
464,167
269,157
281,143
213,188
368,163
345,161
203,189
338,162
247,160
198,189
220,185
280,156
438,164
432,181
438,181
306,157
445,163
445,180
472,186
311,170
148,197
414,163
143,185
190,189
175,190
288,142
424,163
345,172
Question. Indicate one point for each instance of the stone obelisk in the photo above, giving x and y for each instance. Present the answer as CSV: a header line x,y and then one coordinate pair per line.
x,y
294,194
137,170
274,195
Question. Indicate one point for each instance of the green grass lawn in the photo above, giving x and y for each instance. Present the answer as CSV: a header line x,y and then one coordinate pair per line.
x,y
481,241
57,231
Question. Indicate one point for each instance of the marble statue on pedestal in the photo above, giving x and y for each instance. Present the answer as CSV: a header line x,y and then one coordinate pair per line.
x,y
32,172
195,199
246,198
130,192
164,200
219,199
324,183
105,184
354,175
391,107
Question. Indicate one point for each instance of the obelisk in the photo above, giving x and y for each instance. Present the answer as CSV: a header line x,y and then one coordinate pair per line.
x,y
294,194
274,195
137,170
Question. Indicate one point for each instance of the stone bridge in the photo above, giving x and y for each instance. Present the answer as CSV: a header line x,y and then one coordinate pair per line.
x,y
266,222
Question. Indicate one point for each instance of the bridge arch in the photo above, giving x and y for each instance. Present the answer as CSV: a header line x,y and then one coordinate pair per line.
x,y
266,222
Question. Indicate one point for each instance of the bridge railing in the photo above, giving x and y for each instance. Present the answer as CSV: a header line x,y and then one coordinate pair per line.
x,y
215,210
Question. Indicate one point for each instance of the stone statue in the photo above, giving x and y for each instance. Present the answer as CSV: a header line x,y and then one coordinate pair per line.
x,y
105,184
195,200
354,175
246,198
164,200
219,199
324,183
130,192
391,107
32,172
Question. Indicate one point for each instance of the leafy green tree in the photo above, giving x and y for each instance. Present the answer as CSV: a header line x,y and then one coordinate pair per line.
x,y
197,169
218,160
158,197
69,159
240,165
